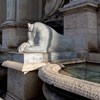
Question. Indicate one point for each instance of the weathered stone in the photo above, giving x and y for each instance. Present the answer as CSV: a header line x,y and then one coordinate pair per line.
x,y
50,75
93,57
15,26
45,57
2,11
23,67
23,82
52,95
80,24
51,7
98,23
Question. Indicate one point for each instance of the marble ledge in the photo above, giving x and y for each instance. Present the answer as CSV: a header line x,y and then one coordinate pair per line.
x,y
22,67
50,75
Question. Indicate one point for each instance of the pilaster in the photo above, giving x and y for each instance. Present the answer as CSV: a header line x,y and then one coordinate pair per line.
x,y
19,13
80,24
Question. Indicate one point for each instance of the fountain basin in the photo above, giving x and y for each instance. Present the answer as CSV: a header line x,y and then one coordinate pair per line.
x,y
85,71
76,78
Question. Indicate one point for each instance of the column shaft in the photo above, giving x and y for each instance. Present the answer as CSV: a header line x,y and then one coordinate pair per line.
x,y
11,10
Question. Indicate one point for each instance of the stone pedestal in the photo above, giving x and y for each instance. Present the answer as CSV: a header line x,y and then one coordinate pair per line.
x,y
22,81
19,13
22,77
54,57
80,24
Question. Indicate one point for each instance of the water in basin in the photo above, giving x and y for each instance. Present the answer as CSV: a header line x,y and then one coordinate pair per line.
x,y
86,71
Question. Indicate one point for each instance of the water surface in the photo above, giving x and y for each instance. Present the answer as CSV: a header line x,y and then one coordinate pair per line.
x,y
85,71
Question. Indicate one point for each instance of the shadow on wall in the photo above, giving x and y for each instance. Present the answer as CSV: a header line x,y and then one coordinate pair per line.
x,y
57,25
3,81
0,37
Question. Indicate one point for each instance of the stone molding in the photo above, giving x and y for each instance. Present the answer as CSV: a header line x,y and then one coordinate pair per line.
x,y
86,6
22,67
50,74
10,24
80,3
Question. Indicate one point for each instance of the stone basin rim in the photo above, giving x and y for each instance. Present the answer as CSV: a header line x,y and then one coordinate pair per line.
x,y
50,75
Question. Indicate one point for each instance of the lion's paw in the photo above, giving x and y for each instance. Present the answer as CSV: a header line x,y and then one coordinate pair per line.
x,y
23,46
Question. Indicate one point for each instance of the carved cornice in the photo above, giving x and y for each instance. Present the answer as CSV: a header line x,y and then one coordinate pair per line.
x,y
14,23
79,6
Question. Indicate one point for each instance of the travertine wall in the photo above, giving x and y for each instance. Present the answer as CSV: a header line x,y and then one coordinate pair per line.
x,y
80,25
2,11
18,14
98,23
2,15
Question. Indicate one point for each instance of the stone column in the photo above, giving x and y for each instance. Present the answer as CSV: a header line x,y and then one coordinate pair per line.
x,y
8,30
98,23
19,13
2,16
80,24
11,10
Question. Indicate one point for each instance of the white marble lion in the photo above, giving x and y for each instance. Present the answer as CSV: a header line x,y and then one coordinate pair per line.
x,y
42,38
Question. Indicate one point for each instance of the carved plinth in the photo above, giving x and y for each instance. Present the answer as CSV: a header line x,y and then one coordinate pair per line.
x,y
46,57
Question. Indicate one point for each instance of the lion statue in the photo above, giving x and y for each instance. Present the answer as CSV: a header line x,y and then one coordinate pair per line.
x,y
43,38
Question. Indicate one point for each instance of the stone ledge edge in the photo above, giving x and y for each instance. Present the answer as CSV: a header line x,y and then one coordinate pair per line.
x,y
50,74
